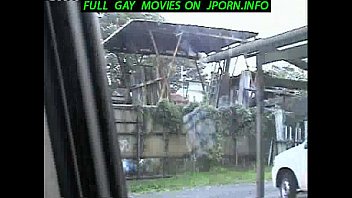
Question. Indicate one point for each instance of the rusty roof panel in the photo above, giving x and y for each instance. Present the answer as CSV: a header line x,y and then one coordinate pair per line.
x,y
134,37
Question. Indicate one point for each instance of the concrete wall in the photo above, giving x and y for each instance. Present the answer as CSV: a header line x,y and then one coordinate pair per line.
x,y
151,132
154,137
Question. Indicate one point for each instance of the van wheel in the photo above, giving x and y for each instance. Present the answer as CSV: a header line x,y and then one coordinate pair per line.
x,y
288,185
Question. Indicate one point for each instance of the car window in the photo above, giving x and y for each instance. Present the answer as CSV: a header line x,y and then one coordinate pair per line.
x,y
153,102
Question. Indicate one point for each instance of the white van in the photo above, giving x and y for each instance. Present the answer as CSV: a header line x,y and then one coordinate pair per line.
x,y
289,173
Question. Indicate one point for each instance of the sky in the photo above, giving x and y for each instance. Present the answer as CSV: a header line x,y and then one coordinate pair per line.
x,y
285,15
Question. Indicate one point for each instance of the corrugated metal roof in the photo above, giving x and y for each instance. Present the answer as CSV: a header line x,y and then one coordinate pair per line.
x,y
134,37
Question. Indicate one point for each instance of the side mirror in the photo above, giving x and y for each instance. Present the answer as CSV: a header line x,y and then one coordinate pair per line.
x,y
306,145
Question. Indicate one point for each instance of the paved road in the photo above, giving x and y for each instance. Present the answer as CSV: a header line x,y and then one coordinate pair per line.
x,y
222,191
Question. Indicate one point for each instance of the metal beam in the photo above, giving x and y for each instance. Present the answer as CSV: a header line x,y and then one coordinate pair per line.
x,y
299,52
278,92
216,36
299,63
263,45
161,53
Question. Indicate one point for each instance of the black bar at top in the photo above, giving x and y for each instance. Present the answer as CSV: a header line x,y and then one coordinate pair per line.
x,y
175,5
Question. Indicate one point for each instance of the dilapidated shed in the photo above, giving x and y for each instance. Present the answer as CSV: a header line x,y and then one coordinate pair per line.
x,y
149,83
146,83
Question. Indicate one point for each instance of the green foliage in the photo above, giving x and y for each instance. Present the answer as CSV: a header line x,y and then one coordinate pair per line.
x,y
217,152
167,114
190,107
233,122
229,122
205,100
244,122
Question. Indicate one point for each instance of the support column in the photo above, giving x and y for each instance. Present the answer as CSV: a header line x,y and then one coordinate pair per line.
x,y
227,65
259,134
159,65
200,77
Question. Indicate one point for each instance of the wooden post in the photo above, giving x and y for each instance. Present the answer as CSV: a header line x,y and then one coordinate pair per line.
x,y
139,120
300,134
236,151
166,83
295,136
200,76
144,88
281,131
158,61
166,150
135,95
244,85
217,97
270,152
234,67
236,157
164,156
194,161
125,72
286,133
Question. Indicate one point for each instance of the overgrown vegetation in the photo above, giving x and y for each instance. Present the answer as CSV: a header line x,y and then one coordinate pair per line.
x,y
167,114
230,122
190,107
216,176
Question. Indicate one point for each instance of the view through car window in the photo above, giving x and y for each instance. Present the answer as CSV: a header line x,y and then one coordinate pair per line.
x,y
190,104
186,110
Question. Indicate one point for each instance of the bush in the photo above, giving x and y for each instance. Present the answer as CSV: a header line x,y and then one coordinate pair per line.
x,y
190,107
168,114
